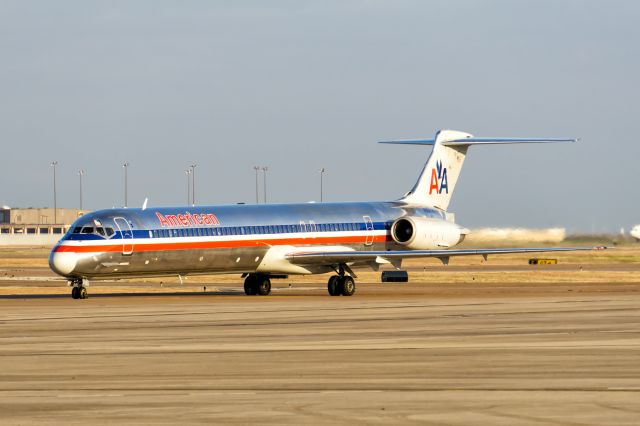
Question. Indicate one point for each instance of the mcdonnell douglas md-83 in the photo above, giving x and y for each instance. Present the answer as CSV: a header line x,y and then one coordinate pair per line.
x,y
266,241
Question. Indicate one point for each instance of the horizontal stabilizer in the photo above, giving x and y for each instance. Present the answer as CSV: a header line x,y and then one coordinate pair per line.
x,y
438,178
477,141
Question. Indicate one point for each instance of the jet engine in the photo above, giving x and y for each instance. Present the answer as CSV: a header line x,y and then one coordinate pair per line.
x,y
421,233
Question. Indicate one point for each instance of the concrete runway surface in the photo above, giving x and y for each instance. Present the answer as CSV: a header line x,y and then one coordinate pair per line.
x,y
422,353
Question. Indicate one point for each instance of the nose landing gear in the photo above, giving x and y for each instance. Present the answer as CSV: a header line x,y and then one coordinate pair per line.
x,y
78,288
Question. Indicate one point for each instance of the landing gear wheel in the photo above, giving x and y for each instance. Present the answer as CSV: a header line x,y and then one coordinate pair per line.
x,y
83,293
347,286
75,292
333,286
250,286
263,286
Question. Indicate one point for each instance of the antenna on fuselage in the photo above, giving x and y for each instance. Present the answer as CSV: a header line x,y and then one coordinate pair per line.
x,y
144,205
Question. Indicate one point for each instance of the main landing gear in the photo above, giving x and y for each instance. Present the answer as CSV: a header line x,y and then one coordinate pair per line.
x,y
257,284
341,285
78,289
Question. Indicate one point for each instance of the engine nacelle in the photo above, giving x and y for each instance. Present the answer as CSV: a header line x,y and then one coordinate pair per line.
x,y
421,233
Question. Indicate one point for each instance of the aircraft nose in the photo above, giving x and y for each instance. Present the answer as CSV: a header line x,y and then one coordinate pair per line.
x,y
62,263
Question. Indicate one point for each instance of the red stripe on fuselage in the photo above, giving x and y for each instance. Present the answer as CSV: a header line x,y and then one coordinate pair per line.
x,y
139,247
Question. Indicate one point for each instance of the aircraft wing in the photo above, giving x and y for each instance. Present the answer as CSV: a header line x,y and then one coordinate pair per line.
x,y
338,257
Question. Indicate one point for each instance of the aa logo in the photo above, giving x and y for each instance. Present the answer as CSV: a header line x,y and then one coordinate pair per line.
x,y
439,180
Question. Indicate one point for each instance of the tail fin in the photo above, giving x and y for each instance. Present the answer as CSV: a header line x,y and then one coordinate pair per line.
x,y
438,178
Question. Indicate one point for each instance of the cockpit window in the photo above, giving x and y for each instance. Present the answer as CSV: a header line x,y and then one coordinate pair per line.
x,y
87,230
101,231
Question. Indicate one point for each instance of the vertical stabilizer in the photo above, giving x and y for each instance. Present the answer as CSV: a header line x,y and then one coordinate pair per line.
x,y
438,178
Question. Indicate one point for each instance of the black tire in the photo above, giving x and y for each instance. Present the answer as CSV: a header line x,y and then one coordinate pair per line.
x,y
347,286
250,286
83,293
333,286
263,286
75,292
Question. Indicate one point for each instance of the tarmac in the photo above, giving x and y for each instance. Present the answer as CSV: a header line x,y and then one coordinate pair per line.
x,y
487,351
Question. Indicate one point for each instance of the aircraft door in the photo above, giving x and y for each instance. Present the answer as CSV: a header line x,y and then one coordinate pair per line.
x,y
127,235
369,235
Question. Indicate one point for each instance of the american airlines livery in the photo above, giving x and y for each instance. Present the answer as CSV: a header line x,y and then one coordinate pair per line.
x,y
269,241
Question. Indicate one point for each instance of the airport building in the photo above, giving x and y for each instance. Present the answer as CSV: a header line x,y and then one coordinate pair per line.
x,y
35,226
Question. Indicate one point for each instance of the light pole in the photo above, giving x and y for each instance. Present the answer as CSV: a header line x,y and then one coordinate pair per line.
x,y
257,169
188,173
322,170
264,182
193,184
126,167
80,174
55,194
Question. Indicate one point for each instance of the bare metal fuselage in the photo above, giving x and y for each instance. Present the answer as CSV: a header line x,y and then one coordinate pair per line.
x,y
222,239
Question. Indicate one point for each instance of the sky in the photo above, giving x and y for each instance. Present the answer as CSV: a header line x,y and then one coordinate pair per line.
x,y
301,85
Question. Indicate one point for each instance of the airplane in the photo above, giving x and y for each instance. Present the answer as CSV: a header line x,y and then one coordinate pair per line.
x,y
265,241
635,232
